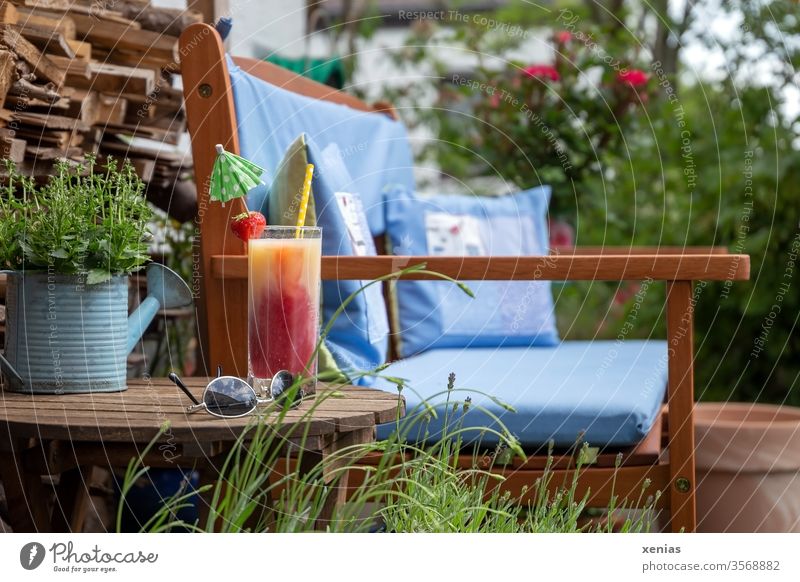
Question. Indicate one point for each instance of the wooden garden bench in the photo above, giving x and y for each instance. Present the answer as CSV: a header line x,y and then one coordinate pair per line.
x,y
667,462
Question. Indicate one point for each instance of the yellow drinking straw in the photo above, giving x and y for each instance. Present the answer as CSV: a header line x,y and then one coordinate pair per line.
x,y
301,213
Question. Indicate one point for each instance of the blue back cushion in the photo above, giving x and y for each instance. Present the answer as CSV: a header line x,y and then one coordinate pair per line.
x,y
374,148
269,119
435,314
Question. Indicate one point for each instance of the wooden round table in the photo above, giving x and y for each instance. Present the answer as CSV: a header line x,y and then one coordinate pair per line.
x,y
67,435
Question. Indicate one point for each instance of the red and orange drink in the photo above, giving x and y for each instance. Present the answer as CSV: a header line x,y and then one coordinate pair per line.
x,y
284,302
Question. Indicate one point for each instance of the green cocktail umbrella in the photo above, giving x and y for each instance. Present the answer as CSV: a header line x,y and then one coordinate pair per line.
x,y
233,176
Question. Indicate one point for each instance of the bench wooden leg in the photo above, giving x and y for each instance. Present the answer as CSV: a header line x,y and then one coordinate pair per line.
x,y
680,395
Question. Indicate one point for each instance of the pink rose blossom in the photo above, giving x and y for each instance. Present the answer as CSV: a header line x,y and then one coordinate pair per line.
x,y
561,234
542,72
563,36
626,292
634,77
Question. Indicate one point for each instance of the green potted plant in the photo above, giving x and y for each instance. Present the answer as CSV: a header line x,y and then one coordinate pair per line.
x,y
68,247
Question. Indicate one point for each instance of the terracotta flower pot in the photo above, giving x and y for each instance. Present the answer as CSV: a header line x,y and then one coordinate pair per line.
x,y
748,467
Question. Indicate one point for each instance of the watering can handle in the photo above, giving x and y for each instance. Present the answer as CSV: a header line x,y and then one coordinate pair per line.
x,y
140,319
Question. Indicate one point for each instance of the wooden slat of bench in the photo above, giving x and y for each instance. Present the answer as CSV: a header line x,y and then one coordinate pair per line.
x,y
297,84
554,268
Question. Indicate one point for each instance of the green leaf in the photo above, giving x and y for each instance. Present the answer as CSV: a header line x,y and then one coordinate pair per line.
x,y
96,276
59,254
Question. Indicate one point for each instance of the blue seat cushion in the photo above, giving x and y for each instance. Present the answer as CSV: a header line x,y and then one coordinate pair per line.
x,y
608,392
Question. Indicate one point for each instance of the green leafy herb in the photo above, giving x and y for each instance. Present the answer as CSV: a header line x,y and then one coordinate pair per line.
x,y
81,222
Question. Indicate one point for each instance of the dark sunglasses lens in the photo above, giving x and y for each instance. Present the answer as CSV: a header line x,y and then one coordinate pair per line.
x,y
280,388
228,396
281,382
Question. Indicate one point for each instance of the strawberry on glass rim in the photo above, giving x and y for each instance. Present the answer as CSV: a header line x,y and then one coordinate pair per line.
x,y
248,225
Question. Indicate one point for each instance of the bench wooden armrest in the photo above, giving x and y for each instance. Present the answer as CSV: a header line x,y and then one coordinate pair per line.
x,y
657,267
645,250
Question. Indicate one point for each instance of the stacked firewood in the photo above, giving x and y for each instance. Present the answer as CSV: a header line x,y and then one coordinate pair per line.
x,y
86,76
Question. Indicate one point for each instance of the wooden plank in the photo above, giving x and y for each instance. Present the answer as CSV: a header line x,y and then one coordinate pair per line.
x,y
47,121
171,21
137,60
35,105
43,20
48,41
82,50
644,250
73,67
44,4
626,483
7,74
680,400
170,136
45,153
144,432
114,35
8,13
12,149
297,84
555,268
212,120
41,64
96,109
116,79
40,137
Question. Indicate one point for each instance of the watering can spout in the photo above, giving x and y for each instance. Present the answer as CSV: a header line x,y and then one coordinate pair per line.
x,y
165,290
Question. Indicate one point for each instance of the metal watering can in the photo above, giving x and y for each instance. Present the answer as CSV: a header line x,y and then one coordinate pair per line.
x,y
65,336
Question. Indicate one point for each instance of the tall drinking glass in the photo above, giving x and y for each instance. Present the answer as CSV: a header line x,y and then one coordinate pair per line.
x,y
283,303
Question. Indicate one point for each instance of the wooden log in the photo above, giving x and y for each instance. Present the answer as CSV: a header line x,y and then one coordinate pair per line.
x,y
27,90
42,66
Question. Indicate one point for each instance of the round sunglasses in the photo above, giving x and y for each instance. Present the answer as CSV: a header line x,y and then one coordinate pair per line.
x,y
232,397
